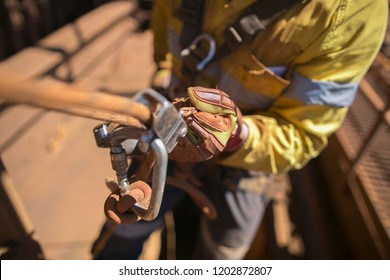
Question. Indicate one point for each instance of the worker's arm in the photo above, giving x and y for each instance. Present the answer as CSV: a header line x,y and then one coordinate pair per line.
x,y
324,80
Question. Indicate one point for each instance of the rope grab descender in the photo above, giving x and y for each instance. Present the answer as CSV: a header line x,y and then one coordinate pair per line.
x,y
138,154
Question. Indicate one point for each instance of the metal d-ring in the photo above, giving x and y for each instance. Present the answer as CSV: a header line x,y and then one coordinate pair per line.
x,y
212,47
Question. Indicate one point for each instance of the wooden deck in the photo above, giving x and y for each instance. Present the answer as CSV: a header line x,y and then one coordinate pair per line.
x,y
51,158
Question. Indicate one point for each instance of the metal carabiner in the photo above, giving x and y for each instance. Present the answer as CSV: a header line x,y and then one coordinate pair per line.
x,y
165,130
158,182
212,48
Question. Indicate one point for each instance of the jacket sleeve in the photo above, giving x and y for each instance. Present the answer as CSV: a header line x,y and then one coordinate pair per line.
x,y
324,81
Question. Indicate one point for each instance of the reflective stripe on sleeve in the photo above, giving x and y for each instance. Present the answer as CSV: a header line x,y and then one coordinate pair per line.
x,y
312,92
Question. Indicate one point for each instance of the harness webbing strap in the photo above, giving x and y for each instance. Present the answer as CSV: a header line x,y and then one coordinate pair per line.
x,y
191,13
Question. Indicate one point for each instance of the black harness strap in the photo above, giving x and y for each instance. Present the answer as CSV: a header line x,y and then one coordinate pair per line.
x,y
191,14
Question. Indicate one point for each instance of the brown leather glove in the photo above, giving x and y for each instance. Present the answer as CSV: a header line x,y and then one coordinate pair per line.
x,y
214,125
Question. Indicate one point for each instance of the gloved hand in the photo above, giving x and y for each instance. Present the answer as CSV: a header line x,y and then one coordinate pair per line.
x,y
214,125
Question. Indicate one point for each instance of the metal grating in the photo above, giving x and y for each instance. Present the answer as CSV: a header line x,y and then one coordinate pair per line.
x,y
373,169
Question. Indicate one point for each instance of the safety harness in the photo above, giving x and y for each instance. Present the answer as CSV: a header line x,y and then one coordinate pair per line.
x,y
255,19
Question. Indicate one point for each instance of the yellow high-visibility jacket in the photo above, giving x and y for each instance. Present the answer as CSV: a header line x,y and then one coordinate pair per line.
x,y
294,82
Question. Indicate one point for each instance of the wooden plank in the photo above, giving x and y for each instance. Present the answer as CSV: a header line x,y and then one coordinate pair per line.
x,y
73,36
59,173
14,122
96,21
28,63
32,62
126,70
84,61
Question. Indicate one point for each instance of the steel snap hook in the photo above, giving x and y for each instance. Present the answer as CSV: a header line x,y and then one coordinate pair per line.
x,y
165,129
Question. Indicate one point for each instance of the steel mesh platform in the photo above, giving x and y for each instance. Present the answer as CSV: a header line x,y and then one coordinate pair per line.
x,y
373,169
